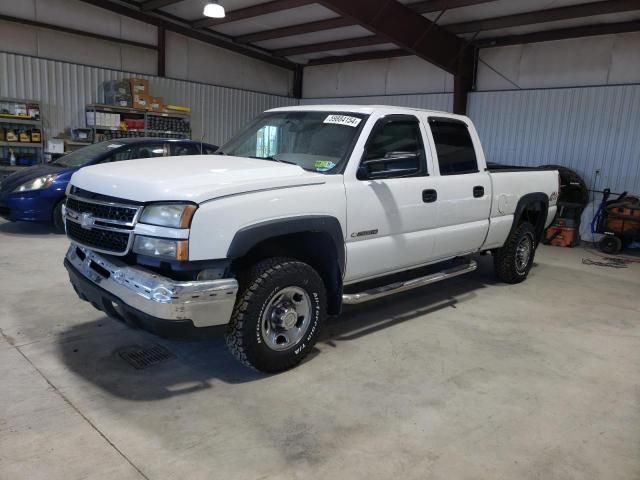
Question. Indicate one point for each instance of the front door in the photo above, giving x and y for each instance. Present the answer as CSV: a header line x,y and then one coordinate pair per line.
x,y
390,207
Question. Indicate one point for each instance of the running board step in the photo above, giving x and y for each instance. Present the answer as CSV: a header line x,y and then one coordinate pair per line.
x,y
397,287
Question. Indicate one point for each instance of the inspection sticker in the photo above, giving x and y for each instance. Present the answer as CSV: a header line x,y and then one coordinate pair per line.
x,y
324,165
343,120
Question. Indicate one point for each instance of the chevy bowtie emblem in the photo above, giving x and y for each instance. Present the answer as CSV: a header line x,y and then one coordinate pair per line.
x,y
86,220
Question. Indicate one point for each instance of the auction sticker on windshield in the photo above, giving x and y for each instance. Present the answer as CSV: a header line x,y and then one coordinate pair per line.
x,y
343,120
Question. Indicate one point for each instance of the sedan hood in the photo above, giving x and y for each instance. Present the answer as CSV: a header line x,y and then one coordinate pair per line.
x,y
194,178
13,181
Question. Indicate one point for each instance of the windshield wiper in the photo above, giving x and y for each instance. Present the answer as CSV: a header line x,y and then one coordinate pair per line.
x,y
274,159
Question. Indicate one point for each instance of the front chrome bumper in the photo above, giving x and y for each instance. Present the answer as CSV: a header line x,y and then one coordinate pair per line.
x,y
204,303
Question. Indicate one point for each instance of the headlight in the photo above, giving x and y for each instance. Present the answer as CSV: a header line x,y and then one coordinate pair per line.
x,y
161,247
36,184
175,215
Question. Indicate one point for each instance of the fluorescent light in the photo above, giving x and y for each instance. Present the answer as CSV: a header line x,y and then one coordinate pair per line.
x,y
213,10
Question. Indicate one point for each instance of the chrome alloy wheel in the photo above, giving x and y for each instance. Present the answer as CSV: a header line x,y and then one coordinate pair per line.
x,y
286,318
524,250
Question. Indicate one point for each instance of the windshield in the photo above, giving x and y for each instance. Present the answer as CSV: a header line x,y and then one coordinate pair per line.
x,y
316,141
85,154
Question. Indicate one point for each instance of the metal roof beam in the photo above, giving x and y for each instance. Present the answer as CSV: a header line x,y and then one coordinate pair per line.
x,y
156,4
428,6
394,22
562,34
356,57
544,16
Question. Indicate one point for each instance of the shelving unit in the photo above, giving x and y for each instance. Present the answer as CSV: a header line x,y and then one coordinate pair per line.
x,y
105,121
26,153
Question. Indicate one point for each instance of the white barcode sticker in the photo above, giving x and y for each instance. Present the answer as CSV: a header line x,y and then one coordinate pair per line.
x,y
343,120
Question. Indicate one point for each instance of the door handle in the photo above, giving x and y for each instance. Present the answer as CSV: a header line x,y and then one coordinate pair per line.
x,y
429,196
478,191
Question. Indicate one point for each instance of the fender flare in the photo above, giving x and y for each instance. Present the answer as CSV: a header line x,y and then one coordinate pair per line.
x,y
248,237
523,203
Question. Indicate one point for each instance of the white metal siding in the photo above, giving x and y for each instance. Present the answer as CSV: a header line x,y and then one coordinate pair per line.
x,y
431,101
586,129
65,89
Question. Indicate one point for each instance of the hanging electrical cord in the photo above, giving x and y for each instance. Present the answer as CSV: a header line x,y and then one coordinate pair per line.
x,y
592,249
611,262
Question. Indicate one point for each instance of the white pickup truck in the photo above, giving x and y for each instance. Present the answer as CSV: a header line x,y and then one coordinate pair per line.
x,y
307,209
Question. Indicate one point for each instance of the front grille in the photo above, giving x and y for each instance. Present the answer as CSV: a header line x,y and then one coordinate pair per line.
x,y
103,211
101,224
116,242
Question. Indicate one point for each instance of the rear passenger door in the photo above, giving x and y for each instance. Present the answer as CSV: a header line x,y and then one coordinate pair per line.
x,y
464,192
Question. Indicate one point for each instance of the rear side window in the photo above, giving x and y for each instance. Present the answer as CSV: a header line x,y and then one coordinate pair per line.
x,y
456,154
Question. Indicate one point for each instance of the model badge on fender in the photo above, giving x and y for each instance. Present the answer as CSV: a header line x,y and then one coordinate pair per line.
x,y
364,233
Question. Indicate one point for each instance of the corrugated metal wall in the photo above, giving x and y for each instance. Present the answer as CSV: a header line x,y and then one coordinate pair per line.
x,y
431,101
586,129
65,89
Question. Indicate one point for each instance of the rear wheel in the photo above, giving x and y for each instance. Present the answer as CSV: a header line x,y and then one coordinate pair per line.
x,y
513,261
56,218
278,315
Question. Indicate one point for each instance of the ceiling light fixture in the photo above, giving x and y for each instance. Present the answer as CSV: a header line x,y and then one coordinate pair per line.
x,y
213,10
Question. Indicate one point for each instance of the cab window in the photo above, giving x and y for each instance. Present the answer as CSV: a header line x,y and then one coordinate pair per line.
x,y
456,155
394,149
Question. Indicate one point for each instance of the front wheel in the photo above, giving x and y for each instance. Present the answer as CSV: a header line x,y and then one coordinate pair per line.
x,y
278,314
513,261
56,217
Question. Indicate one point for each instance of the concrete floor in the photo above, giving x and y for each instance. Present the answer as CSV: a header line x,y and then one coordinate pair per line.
x,y
463,380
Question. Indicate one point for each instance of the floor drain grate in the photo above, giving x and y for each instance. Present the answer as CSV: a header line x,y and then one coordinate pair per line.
x,y
145,357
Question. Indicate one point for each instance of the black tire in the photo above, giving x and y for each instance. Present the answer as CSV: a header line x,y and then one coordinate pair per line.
x,y
246,330
56,217
509,264
610,244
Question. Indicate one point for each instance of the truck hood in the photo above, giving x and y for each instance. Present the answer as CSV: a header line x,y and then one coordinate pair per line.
x,y
195,178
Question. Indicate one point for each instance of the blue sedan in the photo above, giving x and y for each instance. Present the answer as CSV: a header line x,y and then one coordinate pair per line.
x,y
37,193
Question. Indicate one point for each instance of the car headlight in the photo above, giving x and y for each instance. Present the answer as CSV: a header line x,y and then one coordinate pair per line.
x,y
161,247
36,184
174,215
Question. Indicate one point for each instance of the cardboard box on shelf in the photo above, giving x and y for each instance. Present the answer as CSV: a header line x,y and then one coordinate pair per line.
x,y
139,86
156,104
141,101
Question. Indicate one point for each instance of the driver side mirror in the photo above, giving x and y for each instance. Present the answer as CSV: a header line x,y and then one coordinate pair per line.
x,y
392,165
